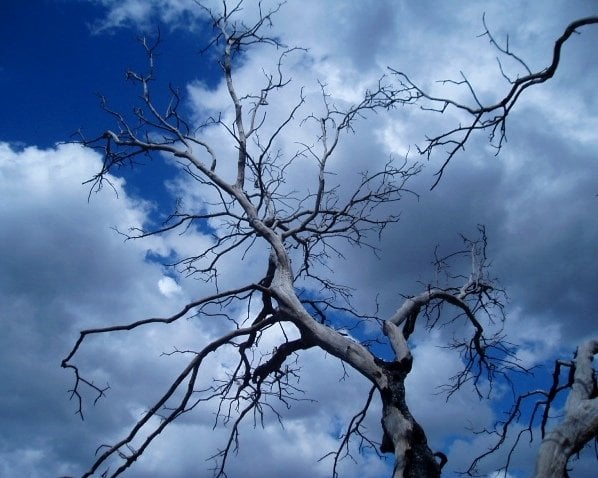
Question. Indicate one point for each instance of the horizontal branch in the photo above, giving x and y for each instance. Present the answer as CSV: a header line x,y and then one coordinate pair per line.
x,y
156,320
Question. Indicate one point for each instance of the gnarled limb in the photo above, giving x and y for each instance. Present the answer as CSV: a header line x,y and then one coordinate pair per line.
x,y
481,117
402,434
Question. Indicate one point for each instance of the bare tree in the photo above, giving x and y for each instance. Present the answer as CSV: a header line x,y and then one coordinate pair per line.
x,y
577,427
580,423
254,210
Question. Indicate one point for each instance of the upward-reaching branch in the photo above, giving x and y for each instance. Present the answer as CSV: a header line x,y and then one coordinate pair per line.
x,y
246,204
246,217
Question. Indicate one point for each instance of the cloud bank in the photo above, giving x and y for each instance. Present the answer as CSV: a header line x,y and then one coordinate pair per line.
x,y
65,268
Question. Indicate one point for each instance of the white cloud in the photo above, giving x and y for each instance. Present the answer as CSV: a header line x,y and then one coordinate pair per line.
x,y
141,13
66,269
500,474
433,364
168,287
533,348
522,460
115,284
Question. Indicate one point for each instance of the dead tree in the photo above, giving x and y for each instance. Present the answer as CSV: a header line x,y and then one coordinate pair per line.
x,y
580,424
575,427
255,210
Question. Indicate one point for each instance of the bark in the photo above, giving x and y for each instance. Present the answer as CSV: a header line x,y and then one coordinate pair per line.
x,y
580,424
402,434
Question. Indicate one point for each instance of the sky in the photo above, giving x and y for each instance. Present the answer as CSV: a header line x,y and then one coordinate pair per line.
x,y
63,267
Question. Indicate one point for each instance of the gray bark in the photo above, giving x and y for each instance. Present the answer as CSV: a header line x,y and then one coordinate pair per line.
x,y
580,424
403,436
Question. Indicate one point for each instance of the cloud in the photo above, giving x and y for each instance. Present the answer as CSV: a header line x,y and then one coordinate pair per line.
x,y
142,14
433,365
64,269
168,286
71,270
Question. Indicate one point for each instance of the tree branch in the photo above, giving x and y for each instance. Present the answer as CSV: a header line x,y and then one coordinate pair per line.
x,y
491,117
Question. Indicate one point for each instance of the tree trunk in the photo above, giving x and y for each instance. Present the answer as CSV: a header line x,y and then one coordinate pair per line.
x,y
402,434
580,424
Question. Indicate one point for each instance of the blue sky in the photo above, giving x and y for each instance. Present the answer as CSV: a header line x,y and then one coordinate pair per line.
x,y
64,268
55,66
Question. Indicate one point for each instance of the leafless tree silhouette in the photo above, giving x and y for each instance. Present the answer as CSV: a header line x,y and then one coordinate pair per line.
x,y
255,210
